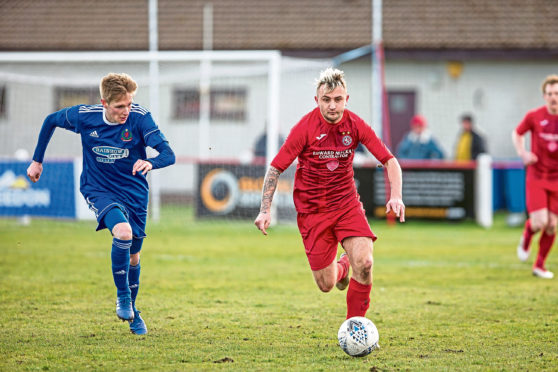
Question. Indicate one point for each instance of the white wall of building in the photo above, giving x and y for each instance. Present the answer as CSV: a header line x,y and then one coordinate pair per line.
x,y
497,93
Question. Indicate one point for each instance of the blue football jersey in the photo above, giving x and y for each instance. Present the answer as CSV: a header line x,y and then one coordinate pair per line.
x,y
110,151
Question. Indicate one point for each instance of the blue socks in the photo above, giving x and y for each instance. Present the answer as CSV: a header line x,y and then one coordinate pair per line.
x,y
133,282
120,256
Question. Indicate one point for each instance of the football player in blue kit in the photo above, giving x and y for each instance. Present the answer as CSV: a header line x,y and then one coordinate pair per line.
x,y
114,137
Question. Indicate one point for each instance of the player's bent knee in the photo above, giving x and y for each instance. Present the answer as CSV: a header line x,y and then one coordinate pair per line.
x,y
134,259
550,229
363,269
537,226
325,286
325,283
122,231
364,264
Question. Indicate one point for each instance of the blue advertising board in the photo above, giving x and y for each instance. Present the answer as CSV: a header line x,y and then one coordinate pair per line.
x,y
52,196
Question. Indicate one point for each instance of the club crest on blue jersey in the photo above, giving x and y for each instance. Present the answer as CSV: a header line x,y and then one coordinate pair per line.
x,y
126,135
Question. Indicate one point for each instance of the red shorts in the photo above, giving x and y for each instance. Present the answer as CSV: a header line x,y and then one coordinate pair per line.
x,y
321,233
541,194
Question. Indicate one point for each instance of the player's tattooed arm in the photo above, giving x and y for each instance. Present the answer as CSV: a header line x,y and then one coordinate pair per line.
x,y
270,184
263,220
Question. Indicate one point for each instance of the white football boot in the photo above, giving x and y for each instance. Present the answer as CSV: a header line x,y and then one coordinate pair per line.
x,y
542,273
522,254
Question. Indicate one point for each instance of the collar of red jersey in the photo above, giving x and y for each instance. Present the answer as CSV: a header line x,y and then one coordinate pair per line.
x,y
343,126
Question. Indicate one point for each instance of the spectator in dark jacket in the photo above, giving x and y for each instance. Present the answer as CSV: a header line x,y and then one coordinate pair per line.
x,y
469,142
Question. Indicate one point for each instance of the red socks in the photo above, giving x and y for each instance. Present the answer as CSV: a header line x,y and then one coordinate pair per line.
x,y
545,244
527,235
358,298
342,267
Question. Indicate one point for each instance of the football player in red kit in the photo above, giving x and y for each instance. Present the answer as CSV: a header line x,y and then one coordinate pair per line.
x,y
542,175
328,206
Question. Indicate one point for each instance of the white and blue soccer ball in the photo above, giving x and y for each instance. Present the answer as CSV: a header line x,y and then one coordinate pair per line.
x,y
358,336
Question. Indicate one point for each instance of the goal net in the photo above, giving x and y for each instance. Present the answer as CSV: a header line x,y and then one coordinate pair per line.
x,y
224,114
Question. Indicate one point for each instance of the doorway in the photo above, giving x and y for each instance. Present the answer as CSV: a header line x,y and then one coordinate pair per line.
x,y
401,106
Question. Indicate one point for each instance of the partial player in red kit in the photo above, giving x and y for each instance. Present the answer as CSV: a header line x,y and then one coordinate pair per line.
x,y
328,206
542,175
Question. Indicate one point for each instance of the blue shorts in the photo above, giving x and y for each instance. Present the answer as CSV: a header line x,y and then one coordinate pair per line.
x,y
137,218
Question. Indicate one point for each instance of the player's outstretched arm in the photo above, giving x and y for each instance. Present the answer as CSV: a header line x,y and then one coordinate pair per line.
x,y
270,184
518,141
50,123
34,171
395,202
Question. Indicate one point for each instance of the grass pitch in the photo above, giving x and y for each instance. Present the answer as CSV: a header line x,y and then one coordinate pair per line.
x,y
221,296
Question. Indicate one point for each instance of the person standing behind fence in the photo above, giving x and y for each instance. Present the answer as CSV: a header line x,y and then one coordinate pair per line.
x,y
114,137
541,187
328,206
470,144
419,142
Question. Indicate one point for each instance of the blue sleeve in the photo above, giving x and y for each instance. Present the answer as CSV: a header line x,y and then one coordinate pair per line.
x,y
65,118
151,133
153,137
165,158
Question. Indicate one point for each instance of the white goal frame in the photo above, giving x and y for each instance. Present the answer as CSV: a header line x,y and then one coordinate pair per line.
x,y
271,57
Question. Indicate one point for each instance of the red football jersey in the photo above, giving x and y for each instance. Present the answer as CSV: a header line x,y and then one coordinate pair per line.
x,y
544,143
324,175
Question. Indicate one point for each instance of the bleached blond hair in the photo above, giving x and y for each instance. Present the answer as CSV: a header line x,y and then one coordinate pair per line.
x,y
331,78
114,86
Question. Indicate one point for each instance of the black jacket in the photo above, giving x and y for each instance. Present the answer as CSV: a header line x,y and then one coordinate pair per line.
x,y
478,146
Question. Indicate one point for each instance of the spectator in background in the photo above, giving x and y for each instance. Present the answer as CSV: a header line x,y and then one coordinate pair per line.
x,y
257,153
419,142
261,144
469,143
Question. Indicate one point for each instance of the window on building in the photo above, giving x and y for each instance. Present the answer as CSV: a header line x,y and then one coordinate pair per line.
x,y
227,105
66,97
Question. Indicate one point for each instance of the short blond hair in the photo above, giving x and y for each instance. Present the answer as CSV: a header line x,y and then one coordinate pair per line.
x,y
550,80
331,78
113,86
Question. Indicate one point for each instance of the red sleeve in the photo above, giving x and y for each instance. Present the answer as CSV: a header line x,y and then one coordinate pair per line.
x,y
368,138
525,125
293,146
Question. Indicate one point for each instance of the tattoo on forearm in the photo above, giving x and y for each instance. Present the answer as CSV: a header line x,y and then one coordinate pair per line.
x,y
269,186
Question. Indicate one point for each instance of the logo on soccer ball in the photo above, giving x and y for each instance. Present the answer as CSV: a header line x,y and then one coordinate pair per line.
x,y
126,135
358,336
347,140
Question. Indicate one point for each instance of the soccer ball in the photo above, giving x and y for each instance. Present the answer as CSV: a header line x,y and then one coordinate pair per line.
x,y
358,336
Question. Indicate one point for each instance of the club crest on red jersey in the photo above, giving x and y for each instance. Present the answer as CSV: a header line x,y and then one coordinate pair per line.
x,y
347,140
126,135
